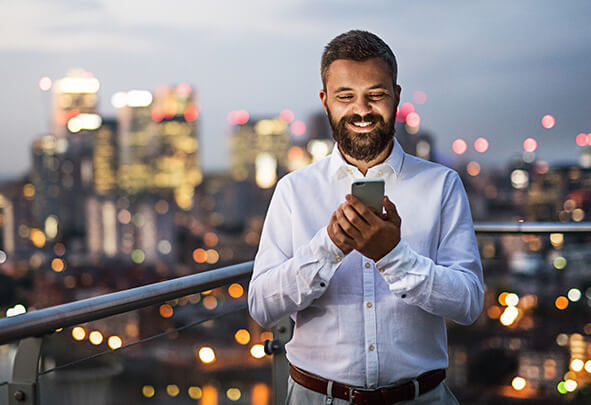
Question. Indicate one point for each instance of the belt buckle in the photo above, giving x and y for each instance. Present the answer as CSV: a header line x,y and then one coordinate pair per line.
x,y
354,391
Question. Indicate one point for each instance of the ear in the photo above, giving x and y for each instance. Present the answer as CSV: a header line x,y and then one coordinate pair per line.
x,y
323,99
397,91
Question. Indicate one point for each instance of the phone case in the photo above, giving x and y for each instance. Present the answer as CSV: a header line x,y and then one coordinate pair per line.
x,y
371,192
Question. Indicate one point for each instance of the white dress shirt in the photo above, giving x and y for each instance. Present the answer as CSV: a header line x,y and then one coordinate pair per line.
x,y
357,321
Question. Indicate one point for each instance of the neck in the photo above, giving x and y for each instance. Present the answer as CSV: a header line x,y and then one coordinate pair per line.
x,y
364,166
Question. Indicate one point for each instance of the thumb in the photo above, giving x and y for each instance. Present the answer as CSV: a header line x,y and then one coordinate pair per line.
x,y
391,211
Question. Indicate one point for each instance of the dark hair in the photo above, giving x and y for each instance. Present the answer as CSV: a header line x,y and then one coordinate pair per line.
x,y
358,46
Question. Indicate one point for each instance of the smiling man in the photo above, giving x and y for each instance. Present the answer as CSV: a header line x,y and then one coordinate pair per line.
x,y
369,292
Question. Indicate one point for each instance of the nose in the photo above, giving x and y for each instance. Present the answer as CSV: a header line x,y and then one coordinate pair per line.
x,y
362,106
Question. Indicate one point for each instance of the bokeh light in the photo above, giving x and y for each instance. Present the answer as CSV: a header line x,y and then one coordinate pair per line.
x,y
114,342
403,111
481,145
577,365
459,146
166,311
419,97
95,337
473,168
561,303
206,355
172,390
233,394
298,128
548,121
287,116
148,391
242,336
45,83
413,120
518,383
78,333
194,392
235,290
530,145
257,351
574,294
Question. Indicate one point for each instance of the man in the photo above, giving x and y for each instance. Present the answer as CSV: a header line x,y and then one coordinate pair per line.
x,y
369,295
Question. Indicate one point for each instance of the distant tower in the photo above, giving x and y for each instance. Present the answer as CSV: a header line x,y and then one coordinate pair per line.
x,y
158,142
259,149
75,96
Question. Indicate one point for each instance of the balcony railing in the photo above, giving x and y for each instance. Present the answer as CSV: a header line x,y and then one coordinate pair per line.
x,y
30,328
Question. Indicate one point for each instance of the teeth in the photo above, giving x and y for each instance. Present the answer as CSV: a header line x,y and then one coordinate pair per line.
x,y
362,124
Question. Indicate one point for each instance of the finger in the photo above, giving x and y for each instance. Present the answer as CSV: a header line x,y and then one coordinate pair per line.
x,y
391,211
363,210
355,219
351,230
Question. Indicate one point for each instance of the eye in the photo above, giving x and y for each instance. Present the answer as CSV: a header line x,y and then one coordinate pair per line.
x,y
344,97
377,96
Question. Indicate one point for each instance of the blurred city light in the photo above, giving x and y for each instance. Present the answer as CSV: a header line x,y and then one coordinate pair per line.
x,y
459,146
298,128
206,355
242,336
574,294
530,145
3,256
561,303
172,390
210,302
78,333
148,391
548,121
287,116
114,342
570,385
419,97
577,365
235,290
194,392
518,383
481,145
57,265
95,337
473,168
233,394
257,351
45,83
403,111
512,299
166,311
18,309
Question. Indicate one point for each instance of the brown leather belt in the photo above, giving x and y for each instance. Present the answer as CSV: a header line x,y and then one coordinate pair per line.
x,y
360,396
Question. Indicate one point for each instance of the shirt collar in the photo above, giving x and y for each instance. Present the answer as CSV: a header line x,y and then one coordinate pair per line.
x,y
339,166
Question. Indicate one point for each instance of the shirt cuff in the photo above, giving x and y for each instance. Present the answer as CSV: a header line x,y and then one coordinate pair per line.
x,y
328,253
404,272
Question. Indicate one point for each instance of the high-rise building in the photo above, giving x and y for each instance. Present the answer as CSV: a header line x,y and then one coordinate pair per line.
x,y
176,166
158,142
105,158
259,149
75,101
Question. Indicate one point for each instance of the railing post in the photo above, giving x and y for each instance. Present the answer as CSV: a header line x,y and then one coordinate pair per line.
x,y
22,386
282,333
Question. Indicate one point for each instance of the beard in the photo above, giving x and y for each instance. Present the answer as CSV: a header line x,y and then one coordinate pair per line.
x,y
364,146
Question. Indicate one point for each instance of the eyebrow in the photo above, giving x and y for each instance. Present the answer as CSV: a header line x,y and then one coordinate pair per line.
x,y
375,86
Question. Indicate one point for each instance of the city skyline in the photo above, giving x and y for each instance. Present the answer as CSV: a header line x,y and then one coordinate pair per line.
x,y
488,71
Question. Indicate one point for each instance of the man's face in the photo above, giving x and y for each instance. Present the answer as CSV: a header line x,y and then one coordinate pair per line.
x,y
361,100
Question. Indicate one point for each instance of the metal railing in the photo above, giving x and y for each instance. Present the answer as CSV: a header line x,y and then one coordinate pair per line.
x,y
30,327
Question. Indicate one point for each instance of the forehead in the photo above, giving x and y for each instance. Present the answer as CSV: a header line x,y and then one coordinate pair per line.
x,y
358,74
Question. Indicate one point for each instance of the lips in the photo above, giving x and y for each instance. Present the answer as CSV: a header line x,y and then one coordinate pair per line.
x,y
362,126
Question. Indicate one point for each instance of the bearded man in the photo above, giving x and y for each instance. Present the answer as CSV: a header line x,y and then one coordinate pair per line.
x,y
369,296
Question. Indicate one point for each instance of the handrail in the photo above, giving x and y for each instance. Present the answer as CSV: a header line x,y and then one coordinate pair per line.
x,y
47,320
531,227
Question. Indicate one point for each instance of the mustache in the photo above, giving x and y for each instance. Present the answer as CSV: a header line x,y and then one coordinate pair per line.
x,y
353,118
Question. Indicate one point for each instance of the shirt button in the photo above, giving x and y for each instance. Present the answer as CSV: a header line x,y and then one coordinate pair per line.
x,y
369,305
322,284
381,269
367,265
380,172
403,295
337,259
371,347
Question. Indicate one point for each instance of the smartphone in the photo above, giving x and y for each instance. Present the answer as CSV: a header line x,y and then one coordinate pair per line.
x,y
371,192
